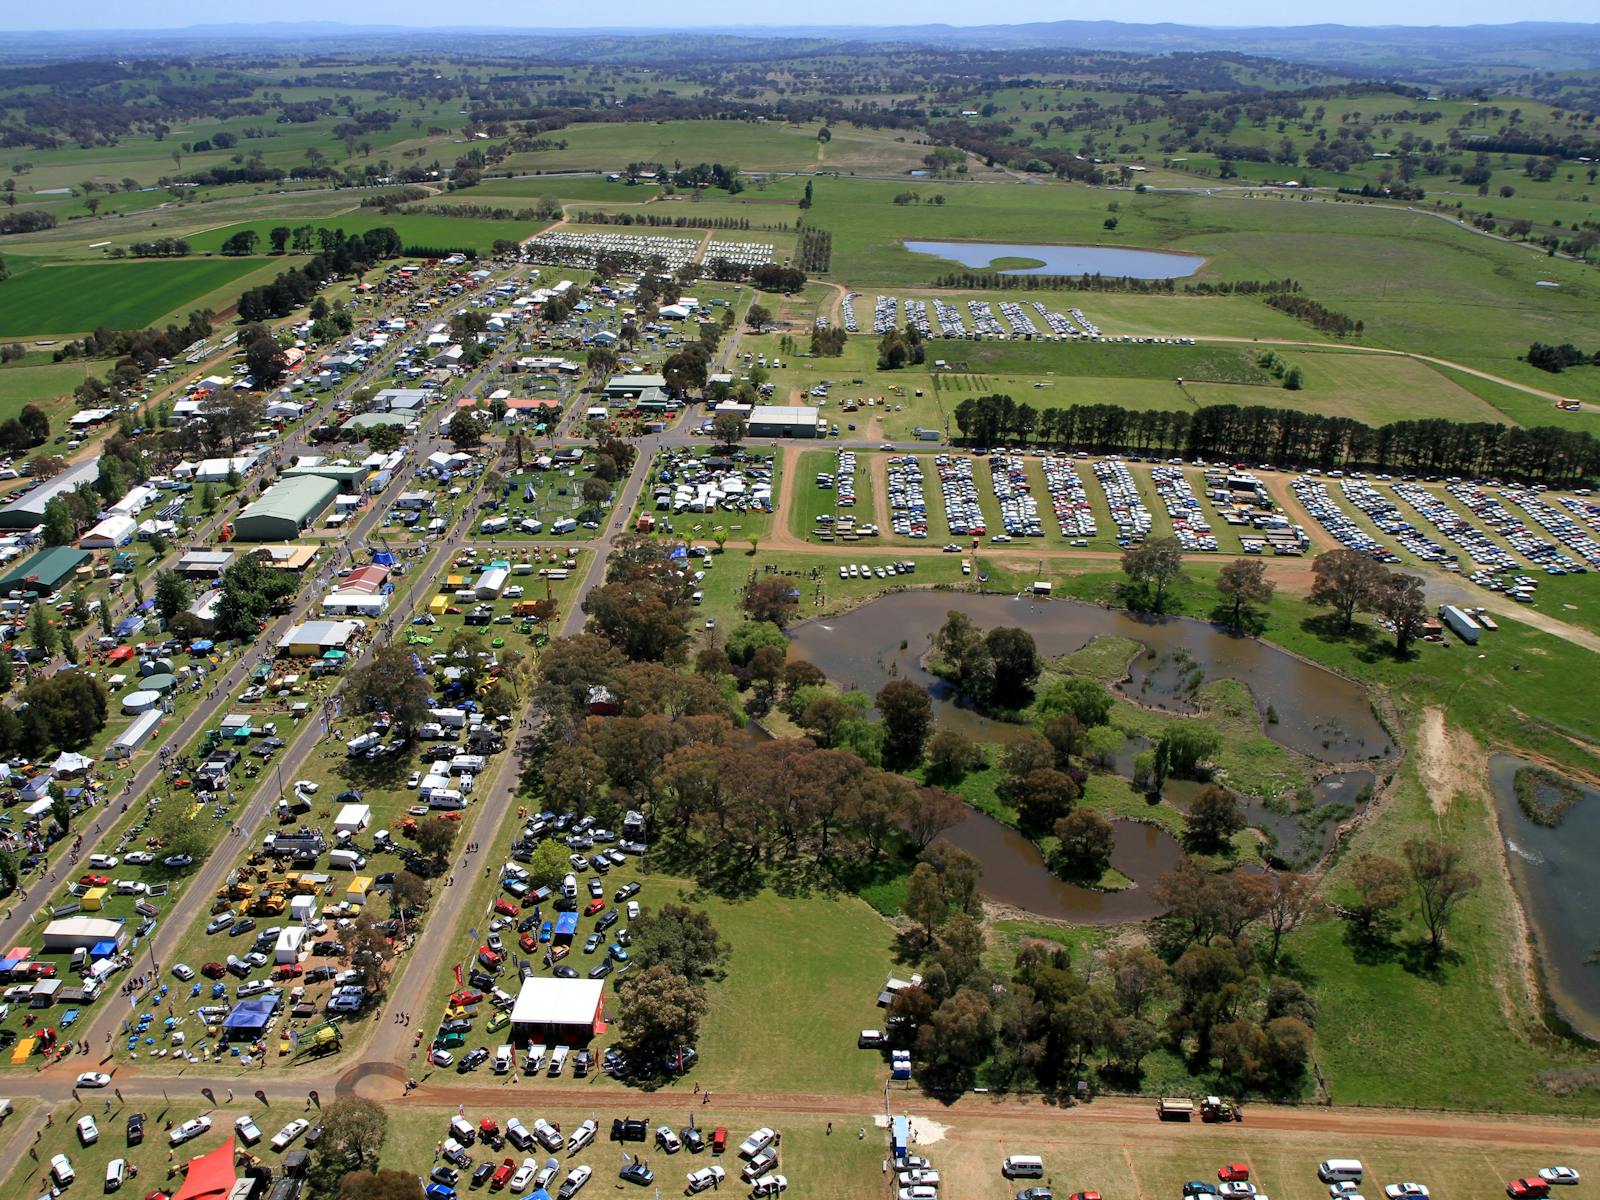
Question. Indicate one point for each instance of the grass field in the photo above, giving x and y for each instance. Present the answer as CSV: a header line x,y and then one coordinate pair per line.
x,y
122,295
467,233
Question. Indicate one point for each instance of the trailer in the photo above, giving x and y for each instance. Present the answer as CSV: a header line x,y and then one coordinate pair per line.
x,y
1175,1108
1463,626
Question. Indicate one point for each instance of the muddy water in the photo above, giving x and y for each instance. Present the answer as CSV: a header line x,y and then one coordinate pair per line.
x,y
1014,872
1553,871
1304,834
1319,713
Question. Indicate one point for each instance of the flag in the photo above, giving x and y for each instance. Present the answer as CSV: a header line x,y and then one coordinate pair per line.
x,y
457,969
473,934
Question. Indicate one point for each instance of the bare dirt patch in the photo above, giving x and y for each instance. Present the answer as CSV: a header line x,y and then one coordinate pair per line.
x,y
1449,761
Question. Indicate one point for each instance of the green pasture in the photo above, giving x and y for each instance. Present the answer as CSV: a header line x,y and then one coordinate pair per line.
x,y
121,295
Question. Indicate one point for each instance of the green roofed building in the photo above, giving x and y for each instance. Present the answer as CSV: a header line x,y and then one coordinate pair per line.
x,y
285,510
349,476
44,572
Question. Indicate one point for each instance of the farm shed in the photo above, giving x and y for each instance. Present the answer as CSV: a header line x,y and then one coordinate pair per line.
x,y
285,509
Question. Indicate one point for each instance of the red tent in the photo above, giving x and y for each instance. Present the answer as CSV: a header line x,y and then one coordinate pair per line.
x,y
209,1175
120,654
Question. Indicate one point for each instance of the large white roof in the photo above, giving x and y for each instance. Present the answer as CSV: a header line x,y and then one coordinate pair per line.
x,y
557,1002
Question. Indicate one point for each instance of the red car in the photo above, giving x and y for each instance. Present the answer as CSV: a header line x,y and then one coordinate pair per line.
x,y
462,999
1233,1173
94,880
502,1174
488,957
719,1139
528,942
213,970
38,970
1084,1196
506,908
1531,1188
593,907
288,971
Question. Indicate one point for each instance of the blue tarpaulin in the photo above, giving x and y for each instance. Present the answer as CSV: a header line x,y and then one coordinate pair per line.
x,y
146,605
102,949
567,925
384,558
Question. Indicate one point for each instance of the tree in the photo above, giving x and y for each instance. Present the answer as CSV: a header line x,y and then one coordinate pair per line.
x,y
1137,976
60,809
758,317
1084,842
907,713
1212,819
34,422
1380,885
1343,581
177,833
42,631
59,526
264,359
680,938
770,600
172,595
1155,561
1290,899
409,892
1043,796
951,755
1441,882
661,1013
729,428
465,429
353,1132
1399,599
929,812
9,873
1016,665
1244,583
925,901
389,682
1186,744
1086,700
367,950
547,864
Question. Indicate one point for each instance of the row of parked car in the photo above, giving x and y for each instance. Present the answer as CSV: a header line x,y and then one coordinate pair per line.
x,y
498,1172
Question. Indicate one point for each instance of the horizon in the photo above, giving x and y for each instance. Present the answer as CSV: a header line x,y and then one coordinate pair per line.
x,y
191,15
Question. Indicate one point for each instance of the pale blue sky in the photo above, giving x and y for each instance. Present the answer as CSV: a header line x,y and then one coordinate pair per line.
x,y
126,14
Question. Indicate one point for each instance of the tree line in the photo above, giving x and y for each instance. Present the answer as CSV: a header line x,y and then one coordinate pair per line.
x,y
343,255
1287,438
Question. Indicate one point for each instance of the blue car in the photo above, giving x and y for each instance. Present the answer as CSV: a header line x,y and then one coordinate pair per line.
x,y
618,954
438,1191
546,930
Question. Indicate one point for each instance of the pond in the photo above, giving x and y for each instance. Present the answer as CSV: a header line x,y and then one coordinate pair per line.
x,y
1552,868
1014,872
1320,714
1066,260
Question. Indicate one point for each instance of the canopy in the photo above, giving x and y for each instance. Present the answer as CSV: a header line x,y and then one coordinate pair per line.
x,y
71,764
201,646
209,1175
120,654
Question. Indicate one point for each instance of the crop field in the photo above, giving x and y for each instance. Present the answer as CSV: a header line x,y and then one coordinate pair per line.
x,y
124,295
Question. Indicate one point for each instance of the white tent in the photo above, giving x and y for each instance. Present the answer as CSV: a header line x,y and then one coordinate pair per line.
x,y
303,909
288,946
352,818
71,764
116,530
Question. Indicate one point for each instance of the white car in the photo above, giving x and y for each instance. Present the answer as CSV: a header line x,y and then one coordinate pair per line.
x,y
918,1193
88,1131
770,1186
919,1175
247,1129
667,1139
61,1170
756,1142
1558,1175
705,1177
574,1181
182,971
189,1130
581,1136
1406,1191
441,1058
306,785
1236,1188
93,1079
116,1173
102,862
139,858
523,1176
288,1135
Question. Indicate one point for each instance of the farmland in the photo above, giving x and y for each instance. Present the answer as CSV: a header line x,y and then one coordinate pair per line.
x,y
127,295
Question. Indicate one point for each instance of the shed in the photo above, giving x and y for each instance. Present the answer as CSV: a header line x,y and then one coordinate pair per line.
x,y
314,637
349,476
135,735
80,933
353,818
492,582
285,509
783,420
28,509
45,571
303,909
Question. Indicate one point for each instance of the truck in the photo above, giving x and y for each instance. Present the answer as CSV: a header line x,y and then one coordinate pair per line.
x,y
1463,626
1214,1109
1175,1108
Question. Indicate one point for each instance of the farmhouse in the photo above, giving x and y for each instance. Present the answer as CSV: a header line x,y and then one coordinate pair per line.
x,y
562,1011
285,509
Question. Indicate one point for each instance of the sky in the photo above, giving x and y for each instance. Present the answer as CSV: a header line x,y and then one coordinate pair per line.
x,y
89,15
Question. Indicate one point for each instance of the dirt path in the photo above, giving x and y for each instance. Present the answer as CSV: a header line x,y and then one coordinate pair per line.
x,y
878,471
1278,488
835,312
1450,761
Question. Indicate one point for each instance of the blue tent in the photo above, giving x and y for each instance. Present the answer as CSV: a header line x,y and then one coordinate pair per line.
x,y
384,558
567,925
200,646
102,949
899,1135
147,605
249,1017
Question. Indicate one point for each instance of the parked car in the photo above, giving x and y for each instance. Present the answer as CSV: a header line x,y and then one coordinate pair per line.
x,y
1233,1173
88,1131
189,1130
770,1186
1559,1175
705,1177
1528,1188
135,1129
